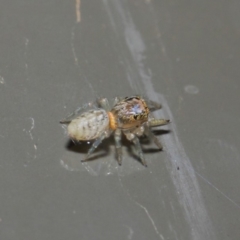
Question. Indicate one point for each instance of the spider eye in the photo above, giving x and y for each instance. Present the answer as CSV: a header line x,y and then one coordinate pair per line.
x,y
137,109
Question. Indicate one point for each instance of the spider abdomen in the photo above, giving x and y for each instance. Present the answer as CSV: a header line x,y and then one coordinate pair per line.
x,y
89,125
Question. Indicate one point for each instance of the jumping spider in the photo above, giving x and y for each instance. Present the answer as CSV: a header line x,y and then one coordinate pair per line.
x,y
130,116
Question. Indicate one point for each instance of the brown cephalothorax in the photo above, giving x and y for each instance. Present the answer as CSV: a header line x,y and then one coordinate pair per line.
x,y
130,112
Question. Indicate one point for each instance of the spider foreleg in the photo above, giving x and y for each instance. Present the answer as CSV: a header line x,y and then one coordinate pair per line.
x,y
116,100
103,103
153,106
132,137
118,145
153,122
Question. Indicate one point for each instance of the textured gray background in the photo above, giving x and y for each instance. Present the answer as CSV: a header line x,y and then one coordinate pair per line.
x,y
56,56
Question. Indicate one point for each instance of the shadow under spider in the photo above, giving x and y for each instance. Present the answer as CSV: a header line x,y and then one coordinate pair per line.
x,y
144,140
83,146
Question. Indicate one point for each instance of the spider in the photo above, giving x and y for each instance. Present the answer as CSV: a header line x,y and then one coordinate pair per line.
x,y
129,115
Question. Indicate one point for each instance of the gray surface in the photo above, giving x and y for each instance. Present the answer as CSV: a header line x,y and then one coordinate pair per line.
x,y
184,54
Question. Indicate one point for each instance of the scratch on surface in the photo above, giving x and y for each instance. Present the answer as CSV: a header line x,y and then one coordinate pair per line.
x,y
67,167
72,45
150,218
217,189
144,208
78,10
2,81
25,56
180,101
29,132
76,60
32,127
129,236
26,45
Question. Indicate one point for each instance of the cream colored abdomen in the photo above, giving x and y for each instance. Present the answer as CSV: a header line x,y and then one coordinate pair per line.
x,y
89,125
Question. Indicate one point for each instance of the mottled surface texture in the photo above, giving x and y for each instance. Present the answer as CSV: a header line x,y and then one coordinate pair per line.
x,y
56,56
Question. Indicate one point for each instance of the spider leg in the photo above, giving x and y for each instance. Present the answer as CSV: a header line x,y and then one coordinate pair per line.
x,y
116,100
103,102
151,136
118,145
132,137
139,149
153,106
94,146
157,122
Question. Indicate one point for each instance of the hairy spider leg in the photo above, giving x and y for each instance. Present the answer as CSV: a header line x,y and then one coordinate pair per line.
x,y
133,138
116,100
139,150
153,106
152,137
95,145
153,122
118,145
103,102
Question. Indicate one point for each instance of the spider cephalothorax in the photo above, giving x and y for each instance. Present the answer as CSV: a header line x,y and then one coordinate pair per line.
x,y
130,112
130,116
